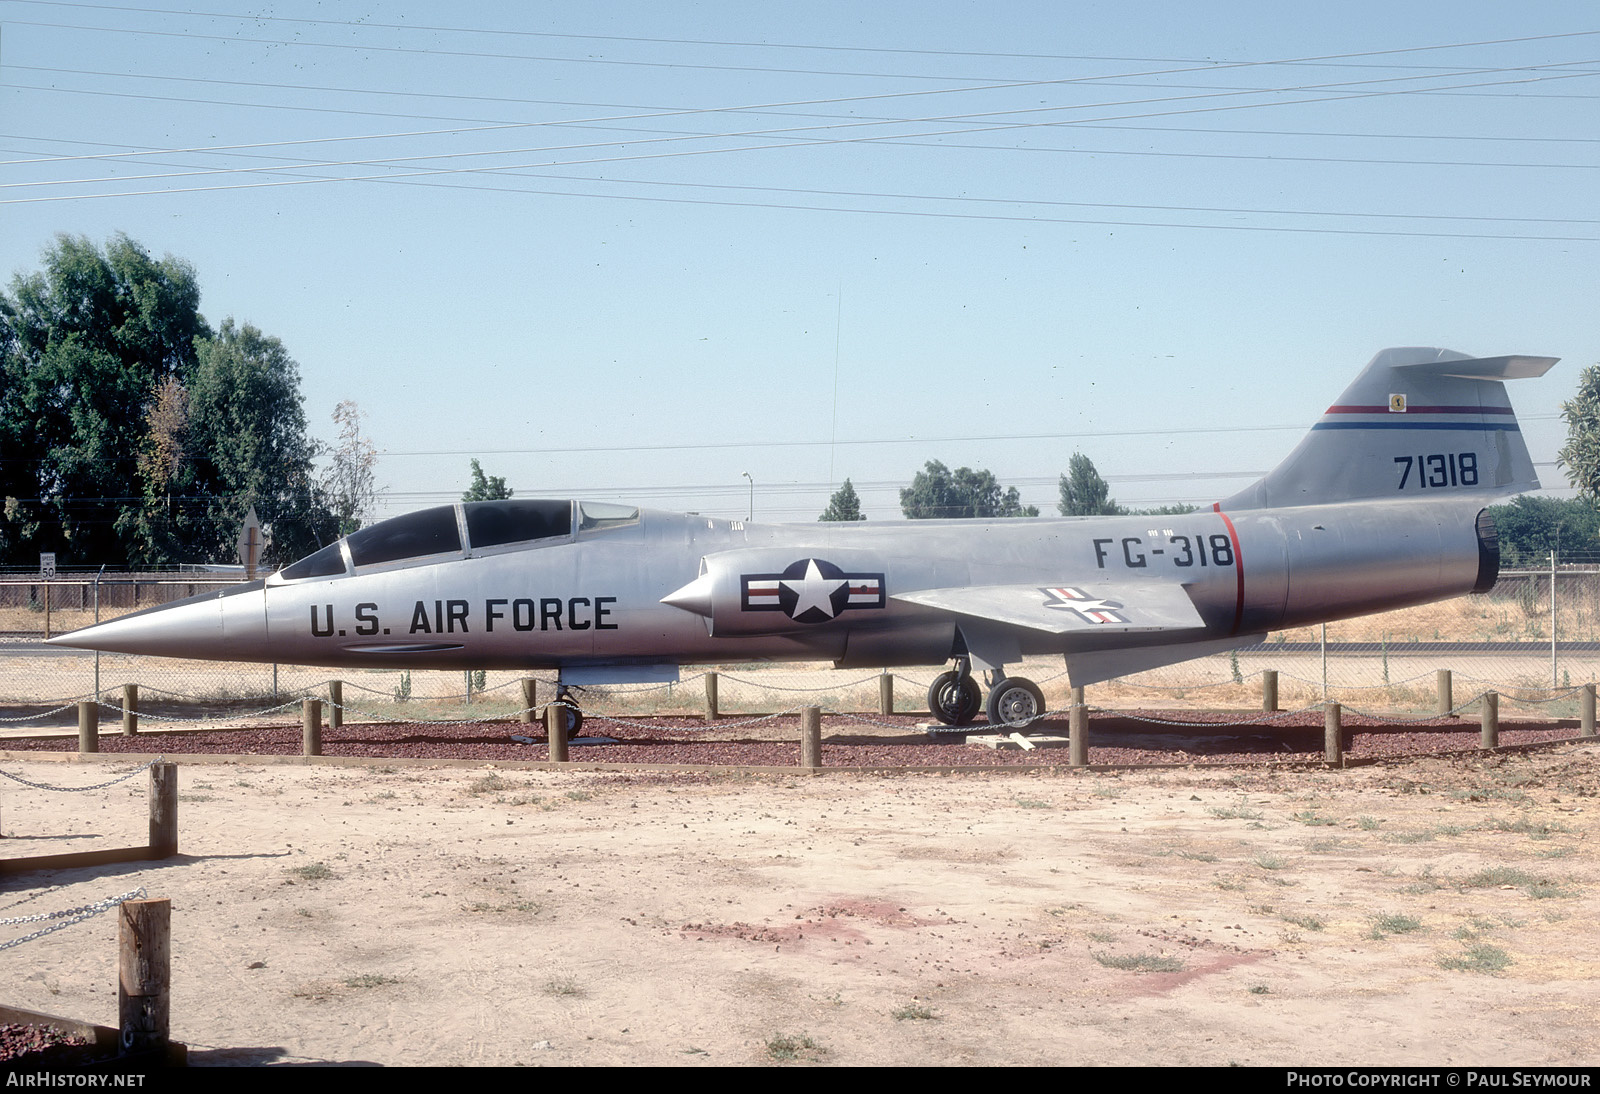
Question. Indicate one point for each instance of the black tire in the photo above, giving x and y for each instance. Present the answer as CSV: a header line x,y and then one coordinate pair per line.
x,y
574,717
1014,702
954,699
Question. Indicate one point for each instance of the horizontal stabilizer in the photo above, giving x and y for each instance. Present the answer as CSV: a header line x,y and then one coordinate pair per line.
x,y
1066,609
1483,368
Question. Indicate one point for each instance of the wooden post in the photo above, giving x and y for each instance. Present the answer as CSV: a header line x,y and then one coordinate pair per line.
x,y
811,738
130,709
1332,733
144,974
163,810
1269,690
335,704
468,676
47,611
311,727
555,722
1489,737
711,697
1078,731
530,699
1586,711
886,693
88,726
1442,684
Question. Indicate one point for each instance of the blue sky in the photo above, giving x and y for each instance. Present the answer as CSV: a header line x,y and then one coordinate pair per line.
x,y
633,251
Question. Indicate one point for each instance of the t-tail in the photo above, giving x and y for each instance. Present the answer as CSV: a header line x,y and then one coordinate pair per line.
x,y
1422,423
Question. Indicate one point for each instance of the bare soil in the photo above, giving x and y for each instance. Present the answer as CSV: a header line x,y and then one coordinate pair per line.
x,y
1432,911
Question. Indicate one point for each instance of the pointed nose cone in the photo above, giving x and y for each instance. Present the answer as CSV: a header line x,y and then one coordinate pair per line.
x,y
694,597
224,626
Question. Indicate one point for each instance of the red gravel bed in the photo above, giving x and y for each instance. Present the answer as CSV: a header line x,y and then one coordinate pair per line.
x,y
1127,737
42,1048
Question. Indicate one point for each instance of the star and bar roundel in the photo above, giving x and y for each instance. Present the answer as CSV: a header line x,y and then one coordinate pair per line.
x,y
1090,608
812,590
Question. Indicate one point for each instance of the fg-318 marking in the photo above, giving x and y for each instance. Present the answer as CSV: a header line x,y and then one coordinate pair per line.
x,y
1183,551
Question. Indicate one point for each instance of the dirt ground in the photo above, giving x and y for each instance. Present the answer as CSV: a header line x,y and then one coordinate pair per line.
x,y
1433,911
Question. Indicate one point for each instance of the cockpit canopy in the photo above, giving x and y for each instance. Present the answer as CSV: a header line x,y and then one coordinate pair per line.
x,y
461,531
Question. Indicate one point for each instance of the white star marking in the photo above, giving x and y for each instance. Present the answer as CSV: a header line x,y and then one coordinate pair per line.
x,y
814,591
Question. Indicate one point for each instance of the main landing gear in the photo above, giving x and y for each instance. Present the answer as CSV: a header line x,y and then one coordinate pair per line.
x,y
954,698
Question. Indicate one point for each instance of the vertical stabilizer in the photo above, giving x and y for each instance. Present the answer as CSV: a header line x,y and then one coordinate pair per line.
x,y
1416,423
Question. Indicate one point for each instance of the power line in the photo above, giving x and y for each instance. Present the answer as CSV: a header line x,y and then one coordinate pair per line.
x,y
1210,66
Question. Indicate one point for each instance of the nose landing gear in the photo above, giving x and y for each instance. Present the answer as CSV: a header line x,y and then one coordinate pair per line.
x,y
564,698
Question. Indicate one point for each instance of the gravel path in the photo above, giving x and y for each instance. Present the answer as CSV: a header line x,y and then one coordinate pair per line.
x,y
1128,737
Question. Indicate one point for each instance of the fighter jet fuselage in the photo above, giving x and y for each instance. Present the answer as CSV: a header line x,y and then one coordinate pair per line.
x,y
1381,506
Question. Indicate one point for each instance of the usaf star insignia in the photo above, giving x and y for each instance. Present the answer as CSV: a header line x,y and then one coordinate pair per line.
x,y
812,590
1095,611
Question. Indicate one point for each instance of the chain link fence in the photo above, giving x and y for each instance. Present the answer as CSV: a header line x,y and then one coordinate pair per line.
x,y
1517,640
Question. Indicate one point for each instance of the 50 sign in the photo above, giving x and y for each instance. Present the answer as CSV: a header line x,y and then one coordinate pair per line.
x,y
1439,470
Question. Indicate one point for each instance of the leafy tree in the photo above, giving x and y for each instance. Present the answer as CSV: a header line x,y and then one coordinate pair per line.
x,y
87,341
129,430
1531,527
1083,492
844,505
246,418
1581,454
938,492
351,486
486,487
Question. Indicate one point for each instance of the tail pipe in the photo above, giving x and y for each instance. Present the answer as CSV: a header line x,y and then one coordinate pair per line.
x,y
1488,553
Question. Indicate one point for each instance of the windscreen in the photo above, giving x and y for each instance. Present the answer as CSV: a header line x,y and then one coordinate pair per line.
x,y
328,562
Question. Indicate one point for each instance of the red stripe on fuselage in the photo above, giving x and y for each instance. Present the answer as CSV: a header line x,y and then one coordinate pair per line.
x,y
1238,564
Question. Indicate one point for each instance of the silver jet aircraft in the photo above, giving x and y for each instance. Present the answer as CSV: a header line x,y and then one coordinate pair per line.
x,y
1382,505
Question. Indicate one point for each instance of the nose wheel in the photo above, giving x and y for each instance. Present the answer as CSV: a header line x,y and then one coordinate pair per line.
x,y
565,699
1014,702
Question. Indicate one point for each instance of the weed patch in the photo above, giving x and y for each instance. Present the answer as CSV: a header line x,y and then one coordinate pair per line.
x,y
789,1049
1482,958
312,871
1385,925
1139,962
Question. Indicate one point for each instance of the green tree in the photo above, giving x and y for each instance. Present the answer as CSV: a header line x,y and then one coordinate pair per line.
x,y
87,341
937,492
844,505
486,487
130,432
1581,454
248,426
1530,527
1083,492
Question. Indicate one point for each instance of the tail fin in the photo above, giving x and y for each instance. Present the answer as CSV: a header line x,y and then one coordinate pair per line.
x,y
1415,423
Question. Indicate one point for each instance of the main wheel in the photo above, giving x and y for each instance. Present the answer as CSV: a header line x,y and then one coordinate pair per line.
x,y
954,699
1014,702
